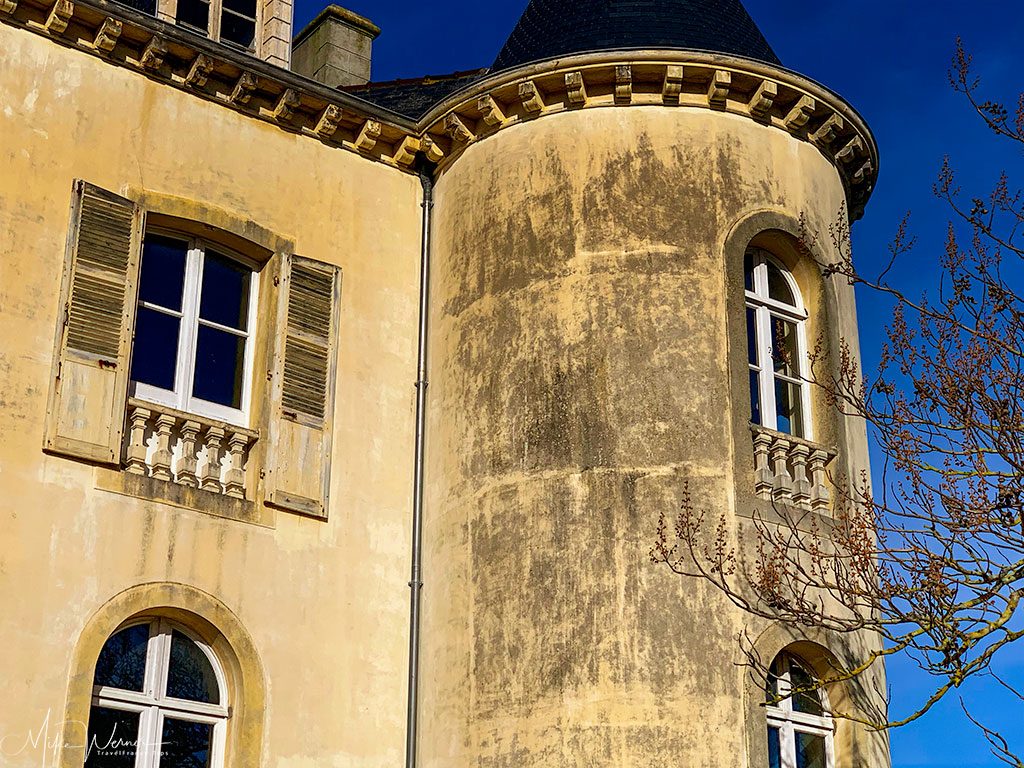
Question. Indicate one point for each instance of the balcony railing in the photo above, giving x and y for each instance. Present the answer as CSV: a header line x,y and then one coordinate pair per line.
x,y
186,449
791,471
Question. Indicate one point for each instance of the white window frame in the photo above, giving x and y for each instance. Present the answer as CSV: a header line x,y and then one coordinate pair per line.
x,y
181,398
781,715
154,705
167,10
765,308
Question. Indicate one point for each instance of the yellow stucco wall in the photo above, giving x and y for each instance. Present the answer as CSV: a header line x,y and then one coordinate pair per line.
x,y
325,604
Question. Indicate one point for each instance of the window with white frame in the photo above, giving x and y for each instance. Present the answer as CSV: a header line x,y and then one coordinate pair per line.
x,y
229,21
159,701
800,729
196,313
776,347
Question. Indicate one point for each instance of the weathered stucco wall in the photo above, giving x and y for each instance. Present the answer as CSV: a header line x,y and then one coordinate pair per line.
x,y
325,604
583,367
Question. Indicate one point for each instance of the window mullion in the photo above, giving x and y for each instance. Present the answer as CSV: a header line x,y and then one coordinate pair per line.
x,y
190,325
767,376
216,9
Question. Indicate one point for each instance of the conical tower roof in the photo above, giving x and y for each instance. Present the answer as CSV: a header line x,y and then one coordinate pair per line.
x,y
550,28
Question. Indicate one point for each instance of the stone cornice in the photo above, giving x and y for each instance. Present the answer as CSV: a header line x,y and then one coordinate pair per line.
x,y
770,95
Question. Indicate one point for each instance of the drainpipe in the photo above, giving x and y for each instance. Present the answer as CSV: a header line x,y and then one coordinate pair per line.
x,y
426,173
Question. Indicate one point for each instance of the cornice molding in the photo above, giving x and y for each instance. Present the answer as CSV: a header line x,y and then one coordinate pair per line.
x,y
769,95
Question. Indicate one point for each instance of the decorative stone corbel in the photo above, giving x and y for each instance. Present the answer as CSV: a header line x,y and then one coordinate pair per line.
x,y
826,133
8,6
456,129
623,84
410,146
59,16
575,88
531,98
327,125
800,114
244,87
368,135
864,174
107,34
490,111
200,71
673,85
431,149
152,57
854,148
761,102
284,110
718,89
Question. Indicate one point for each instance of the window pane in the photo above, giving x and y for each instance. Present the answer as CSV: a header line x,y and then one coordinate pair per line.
x,y
194,13
244,7
778,286
752,336
162,278
186,745
755,398
122,662
113,736
155,351
785,347
220,359
190,675
225,298
810,750
748,271
804,702
774,748
788,409
146,6
235,29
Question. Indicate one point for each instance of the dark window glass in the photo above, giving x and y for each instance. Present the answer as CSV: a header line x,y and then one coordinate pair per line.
x,y
810,750
155,351
186,745
162,279
748,271
237,30
809,702
220,358
784,347
751,336
774,748
787,408
244,7
225,296
146,6
190,675
113,738
194,13
778,286
755,398
122,662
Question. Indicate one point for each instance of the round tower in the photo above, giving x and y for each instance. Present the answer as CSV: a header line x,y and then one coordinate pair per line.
x,y
602,190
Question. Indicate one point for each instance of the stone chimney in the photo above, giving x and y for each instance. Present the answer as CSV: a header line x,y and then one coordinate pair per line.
x,y
334,48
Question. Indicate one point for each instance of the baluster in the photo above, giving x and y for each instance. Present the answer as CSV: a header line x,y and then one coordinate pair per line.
x,y
162,458
801,485
135,458
783,483
820,494
764,478
189,461
234,484
211,474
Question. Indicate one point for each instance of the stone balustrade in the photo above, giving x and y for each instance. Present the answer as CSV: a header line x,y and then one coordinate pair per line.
x,y
190,450
791,471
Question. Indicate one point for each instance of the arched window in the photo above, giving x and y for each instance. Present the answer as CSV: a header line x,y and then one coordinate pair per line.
x,y
159,699
800,729
776,347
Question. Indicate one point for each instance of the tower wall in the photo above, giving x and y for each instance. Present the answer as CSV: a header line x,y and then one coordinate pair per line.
x,y
586,344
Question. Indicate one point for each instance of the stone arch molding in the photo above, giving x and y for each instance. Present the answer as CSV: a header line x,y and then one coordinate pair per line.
x,y
214,623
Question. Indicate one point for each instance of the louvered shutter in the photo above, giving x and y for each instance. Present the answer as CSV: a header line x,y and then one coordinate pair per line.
x,y
302,414
85,417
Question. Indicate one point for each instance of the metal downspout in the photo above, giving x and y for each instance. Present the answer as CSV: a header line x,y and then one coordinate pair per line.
x,y
426,174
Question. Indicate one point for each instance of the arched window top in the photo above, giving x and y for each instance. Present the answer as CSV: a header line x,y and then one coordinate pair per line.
x,y
766,278
800,728
159,698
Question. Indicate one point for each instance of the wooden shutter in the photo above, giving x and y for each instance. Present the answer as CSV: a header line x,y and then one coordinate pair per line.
x,y
85,417
299,450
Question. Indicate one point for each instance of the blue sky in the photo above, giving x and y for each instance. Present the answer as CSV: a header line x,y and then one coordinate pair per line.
x,y
889,58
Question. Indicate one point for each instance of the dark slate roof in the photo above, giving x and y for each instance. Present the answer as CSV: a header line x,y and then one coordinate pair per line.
x,y
414,98
550,28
